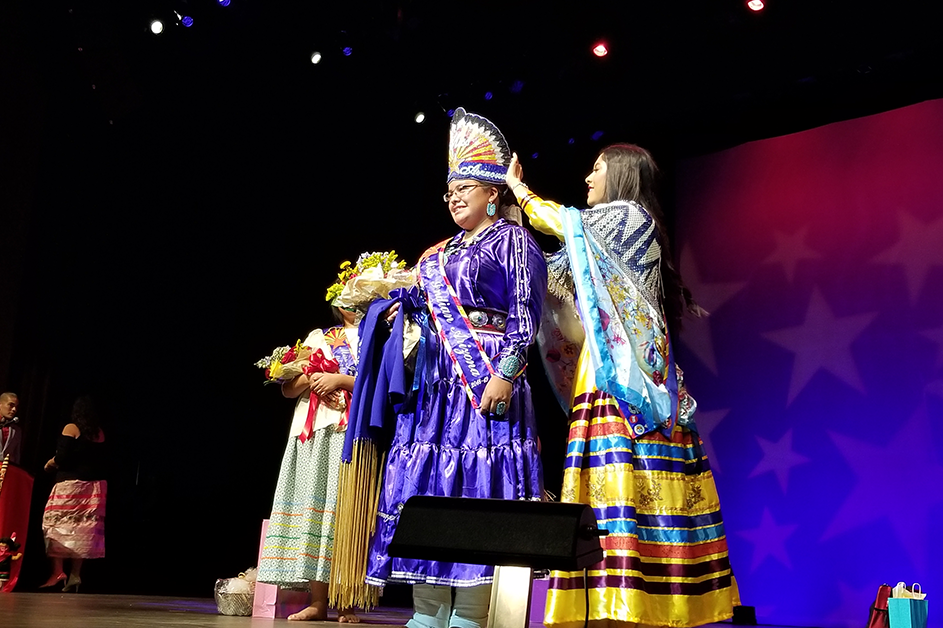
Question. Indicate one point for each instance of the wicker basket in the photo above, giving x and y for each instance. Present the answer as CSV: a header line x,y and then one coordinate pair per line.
x,y
239,604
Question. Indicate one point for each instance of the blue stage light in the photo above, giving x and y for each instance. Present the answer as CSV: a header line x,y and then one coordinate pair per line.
x,y
597,135
488,95
535,156
223,3
516,87
347,51
450,113
187,21
572,140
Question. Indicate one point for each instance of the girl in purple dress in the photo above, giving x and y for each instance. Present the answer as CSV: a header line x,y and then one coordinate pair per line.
x,y
471,431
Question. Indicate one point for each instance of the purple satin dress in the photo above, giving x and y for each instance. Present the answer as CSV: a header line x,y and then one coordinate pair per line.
x,y
446,447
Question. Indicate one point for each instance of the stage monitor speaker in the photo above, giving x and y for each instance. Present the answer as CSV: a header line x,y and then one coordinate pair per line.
x,y
538,535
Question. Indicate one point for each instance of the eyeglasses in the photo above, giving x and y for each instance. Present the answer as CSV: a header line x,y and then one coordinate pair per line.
x,y
462,191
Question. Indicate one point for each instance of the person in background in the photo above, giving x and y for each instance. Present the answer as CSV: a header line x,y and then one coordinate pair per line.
x,y
74,518
633,454
471,430
11,434
299,545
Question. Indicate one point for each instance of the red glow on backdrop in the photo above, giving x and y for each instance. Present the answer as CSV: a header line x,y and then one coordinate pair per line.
x,y
791,289
756,5
600,50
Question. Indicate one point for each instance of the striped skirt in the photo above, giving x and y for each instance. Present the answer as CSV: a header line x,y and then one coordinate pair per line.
x,y
666,561
74,519
299,544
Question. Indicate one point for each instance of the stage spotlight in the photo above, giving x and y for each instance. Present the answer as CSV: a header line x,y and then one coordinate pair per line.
x,y
535,156
223,3
600,50
347,51
157,27
488,95
187,21
420,118
315,57
572,141
450,113
596,136
517,86
756,5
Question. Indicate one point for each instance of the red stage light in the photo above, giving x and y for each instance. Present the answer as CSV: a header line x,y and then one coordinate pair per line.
x,y
600,50
756,5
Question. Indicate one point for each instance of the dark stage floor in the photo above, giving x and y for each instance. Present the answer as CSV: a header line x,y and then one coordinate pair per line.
x,y
58,610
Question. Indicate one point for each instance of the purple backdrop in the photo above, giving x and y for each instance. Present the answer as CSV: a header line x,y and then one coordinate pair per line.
x,y
819,374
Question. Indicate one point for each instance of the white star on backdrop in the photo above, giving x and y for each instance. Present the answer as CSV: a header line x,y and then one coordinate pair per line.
x,y
779,458
913,456
919,247
769,539
710,296
790,250
823,341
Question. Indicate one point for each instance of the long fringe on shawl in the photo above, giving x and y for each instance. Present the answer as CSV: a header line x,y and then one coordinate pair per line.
x,y
354,525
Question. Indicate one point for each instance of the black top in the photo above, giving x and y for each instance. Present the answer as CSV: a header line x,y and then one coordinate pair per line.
x,y
79,459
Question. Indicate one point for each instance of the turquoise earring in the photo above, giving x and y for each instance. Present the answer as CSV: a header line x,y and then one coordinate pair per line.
x,y
492,209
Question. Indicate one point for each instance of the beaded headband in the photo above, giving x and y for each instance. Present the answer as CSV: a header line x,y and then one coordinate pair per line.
x,y
477,149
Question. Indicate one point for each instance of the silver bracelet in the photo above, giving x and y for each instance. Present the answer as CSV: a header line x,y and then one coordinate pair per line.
x,y
514,187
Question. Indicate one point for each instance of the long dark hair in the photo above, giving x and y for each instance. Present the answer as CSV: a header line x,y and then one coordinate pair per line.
x,y
85,415
631,175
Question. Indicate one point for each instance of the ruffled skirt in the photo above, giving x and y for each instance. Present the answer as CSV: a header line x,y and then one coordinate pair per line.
x,y
74,519
448,449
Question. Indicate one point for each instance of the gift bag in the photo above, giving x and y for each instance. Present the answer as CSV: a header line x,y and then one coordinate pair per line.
x,y
907,608
878,615
903,591
907,612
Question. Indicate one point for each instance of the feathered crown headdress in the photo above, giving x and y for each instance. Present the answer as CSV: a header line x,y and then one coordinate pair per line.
x,y
477,149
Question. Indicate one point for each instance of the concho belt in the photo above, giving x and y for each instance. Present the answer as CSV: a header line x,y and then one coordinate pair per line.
x,y
487,321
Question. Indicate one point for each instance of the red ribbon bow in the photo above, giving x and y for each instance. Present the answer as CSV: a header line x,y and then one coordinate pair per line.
x,y
320,363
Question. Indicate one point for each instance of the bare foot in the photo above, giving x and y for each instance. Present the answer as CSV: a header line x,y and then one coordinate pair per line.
x,y
315,612
347,617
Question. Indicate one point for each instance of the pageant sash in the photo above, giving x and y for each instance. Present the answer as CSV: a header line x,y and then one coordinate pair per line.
x,y
469,360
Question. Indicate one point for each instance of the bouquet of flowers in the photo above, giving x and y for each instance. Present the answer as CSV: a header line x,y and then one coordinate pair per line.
x,y
285,363
372,277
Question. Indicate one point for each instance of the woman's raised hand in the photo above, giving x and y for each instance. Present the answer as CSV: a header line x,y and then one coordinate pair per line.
x,y
515,172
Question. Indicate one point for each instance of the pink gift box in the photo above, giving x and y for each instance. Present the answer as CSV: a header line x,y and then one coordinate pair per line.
x,y
272,601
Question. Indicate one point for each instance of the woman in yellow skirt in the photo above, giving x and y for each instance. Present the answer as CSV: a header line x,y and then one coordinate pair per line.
x,y
633,452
